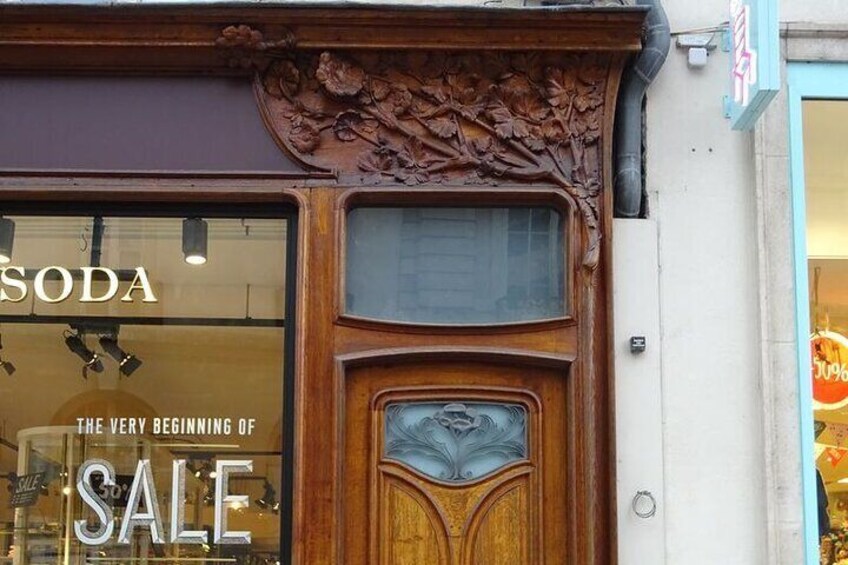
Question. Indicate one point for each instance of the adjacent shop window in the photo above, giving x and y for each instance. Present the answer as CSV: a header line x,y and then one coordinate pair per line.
x,y
825,125
143,376
455,265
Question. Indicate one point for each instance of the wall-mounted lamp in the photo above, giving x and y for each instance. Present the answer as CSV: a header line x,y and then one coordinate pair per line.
x,y
127,363
194,241
7,239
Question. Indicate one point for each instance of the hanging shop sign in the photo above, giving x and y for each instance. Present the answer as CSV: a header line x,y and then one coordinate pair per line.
x,y
25,490
14,287
754,60
830,370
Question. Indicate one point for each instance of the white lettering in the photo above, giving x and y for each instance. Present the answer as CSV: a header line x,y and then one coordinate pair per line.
x,y
67,284
97,504
140,282
88,279
14,283
223,469
142,486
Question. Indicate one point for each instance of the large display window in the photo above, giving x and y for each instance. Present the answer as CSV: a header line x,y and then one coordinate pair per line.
x,y
146,372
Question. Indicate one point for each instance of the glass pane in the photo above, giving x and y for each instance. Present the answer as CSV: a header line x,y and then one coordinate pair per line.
x,y
181,364
825,126
455,265
456,441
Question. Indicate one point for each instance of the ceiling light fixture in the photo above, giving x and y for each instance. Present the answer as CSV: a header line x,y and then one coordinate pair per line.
x,y
7,239
6,365
127,362
269,499
77,345
195,241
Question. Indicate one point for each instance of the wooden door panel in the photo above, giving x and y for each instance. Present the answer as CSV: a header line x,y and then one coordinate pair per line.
x,y
475,495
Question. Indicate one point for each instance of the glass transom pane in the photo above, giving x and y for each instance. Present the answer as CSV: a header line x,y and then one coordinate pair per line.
x,y
455,265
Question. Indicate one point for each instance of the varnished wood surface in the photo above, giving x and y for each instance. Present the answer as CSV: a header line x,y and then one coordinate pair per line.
x,y
514,515
140,38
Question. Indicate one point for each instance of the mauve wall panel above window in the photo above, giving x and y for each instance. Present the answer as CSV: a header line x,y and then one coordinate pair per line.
x,y
169,124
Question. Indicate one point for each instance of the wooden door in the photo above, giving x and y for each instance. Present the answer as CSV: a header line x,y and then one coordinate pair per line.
x,y
455,463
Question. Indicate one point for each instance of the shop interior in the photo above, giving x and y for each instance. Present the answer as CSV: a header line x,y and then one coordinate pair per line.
x,y
826,170
209,350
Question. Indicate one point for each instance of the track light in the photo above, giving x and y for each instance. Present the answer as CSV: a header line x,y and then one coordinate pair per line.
x,y
269,499
7,238
127,363
194,241
6,365
91,359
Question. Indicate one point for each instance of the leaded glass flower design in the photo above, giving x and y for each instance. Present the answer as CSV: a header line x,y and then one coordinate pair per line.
x,y
456,441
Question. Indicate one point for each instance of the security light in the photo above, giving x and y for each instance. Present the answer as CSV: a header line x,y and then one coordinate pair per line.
x,y
194,241
127,363
7,238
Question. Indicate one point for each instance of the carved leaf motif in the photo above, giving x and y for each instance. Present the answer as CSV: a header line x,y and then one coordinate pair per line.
x,y
530,106
376,161
338,76
443,127
350,125
560,86
588,97
413,154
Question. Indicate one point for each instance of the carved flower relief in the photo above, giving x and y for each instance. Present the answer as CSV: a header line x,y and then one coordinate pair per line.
x,y
283,79
394,97
459,418
339,77
304,134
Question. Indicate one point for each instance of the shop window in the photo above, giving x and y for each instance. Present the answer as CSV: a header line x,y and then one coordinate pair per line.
x,y
455,265
144,374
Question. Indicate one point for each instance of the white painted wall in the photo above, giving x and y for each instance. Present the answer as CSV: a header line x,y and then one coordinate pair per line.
x,y
701,183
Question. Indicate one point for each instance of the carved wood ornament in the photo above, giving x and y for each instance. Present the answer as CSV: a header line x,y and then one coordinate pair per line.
x,y
431,117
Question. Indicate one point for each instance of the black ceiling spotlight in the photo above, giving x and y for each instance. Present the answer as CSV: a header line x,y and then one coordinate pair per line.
x,y
269,499
127,362
6,365
7,238
194,241
77,345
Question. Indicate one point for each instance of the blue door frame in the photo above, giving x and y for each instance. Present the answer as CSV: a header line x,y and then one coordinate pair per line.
x,y
807,81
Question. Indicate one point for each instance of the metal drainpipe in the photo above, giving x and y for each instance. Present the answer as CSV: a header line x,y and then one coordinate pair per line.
x,y
628,126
